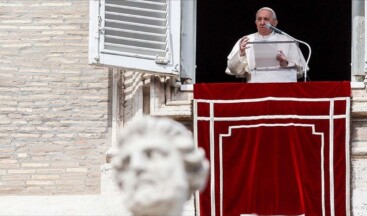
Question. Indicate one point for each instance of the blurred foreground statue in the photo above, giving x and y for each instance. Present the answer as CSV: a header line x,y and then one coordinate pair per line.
x,y
158,167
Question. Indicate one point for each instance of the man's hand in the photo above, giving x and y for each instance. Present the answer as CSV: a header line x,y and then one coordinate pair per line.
x,y
281,59
243,45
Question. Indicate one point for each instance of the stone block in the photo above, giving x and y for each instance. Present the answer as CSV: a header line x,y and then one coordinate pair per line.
x,y
40,182
45,177
21,171
35,165
82,170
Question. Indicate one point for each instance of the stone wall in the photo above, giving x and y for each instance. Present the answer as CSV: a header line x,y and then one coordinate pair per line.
x,y
53,106
359,152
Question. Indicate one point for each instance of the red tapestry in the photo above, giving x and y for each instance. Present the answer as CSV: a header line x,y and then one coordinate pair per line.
x,y
274,149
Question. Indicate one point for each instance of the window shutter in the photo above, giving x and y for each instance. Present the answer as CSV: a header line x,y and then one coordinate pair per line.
x,y
136,34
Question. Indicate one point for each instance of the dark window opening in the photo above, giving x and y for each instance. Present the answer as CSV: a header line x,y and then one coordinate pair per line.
x,y
324,25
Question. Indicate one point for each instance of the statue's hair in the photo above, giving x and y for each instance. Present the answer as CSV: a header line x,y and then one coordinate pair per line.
x,y
195,163
269,9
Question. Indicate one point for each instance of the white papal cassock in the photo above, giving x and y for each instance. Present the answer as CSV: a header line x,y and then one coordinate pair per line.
x,y
246,66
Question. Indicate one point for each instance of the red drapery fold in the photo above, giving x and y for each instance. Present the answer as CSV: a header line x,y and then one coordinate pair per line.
x,y
275,149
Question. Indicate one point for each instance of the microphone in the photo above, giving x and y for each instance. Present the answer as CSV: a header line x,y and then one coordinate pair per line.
x,y
269,26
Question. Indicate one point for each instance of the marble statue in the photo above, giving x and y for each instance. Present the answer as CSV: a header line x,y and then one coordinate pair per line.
x,y
157,166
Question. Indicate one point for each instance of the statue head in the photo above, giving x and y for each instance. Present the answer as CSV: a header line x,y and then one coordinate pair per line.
x,y
157,166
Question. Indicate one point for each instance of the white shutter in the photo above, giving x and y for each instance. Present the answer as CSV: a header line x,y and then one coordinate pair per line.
x,y
136,34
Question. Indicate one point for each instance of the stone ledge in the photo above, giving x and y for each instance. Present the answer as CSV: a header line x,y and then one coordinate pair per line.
x,y
359,100
359,107
69,205
359,148
81,205
179,112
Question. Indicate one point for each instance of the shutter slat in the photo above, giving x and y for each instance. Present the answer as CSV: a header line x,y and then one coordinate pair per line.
x,y
135,34
134,50
154,5
136,11
136,42
136,26
135,19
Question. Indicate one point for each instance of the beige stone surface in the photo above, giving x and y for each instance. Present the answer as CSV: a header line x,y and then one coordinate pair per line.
x,y
53,105
87,205
67,205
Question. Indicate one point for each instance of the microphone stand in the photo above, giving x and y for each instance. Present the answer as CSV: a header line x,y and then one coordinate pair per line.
x,y
299,41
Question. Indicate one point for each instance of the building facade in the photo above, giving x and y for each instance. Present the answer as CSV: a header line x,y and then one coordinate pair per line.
x,y
59,114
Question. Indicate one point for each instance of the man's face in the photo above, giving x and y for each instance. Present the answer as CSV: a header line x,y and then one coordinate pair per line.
x,y
151,172
263,17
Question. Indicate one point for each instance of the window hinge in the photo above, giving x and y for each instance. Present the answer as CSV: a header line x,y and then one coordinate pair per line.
x,y
101,30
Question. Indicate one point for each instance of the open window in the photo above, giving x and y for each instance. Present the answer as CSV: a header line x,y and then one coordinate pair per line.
x,y
220,25
137,35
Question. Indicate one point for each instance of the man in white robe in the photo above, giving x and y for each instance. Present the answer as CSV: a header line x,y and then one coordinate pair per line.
x,y
241,60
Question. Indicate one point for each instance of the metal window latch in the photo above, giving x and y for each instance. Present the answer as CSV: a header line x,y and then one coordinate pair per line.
x,y
161,60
